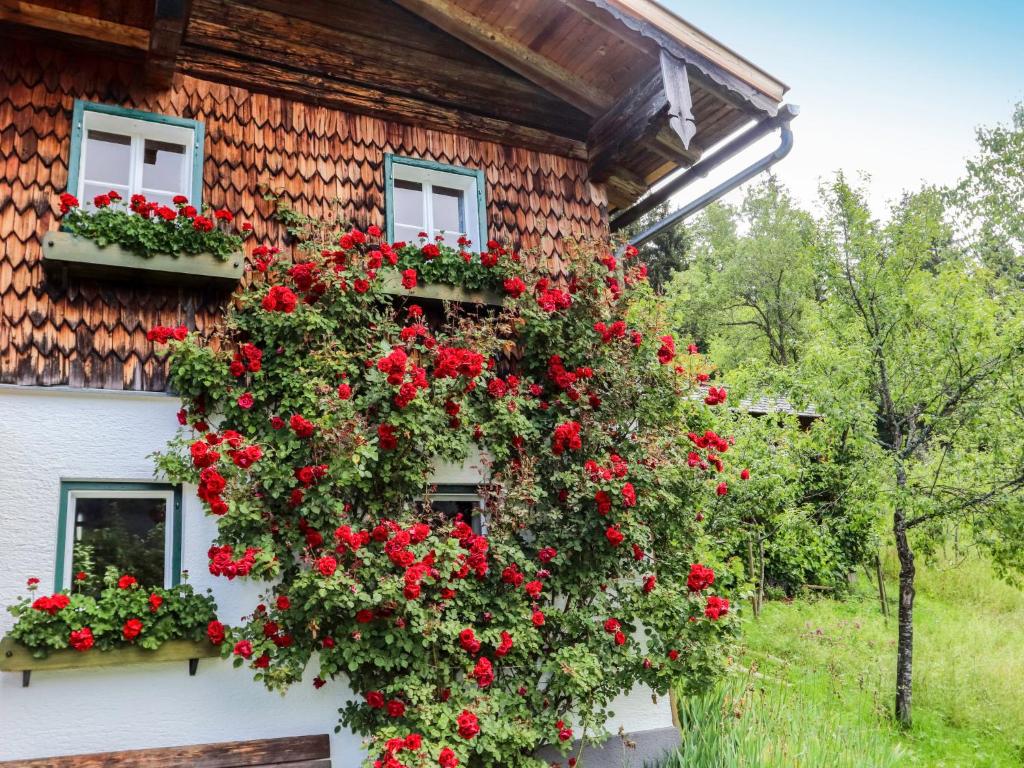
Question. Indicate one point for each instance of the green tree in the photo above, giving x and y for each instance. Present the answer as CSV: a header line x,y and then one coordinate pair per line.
x,y
752,279
930,343
989,197
667,253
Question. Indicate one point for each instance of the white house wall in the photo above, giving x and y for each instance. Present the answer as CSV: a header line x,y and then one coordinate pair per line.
x,y
49,435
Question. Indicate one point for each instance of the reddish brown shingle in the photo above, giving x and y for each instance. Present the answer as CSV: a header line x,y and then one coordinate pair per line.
x,y
92,334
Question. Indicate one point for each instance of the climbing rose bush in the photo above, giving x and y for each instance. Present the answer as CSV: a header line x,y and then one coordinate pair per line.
x,y
312,425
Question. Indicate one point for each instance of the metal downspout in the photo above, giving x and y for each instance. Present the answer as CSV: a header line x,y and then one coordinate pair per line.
x,y
700,169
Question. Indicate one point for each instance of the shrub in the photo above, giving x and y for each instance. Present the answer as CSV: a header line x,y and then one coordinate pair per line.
x,y
311,425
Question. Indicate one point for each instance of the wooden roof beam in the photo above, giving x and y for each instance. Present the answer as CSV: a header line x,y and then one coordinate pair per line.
x,y
73,24
521,59
639,117
170,19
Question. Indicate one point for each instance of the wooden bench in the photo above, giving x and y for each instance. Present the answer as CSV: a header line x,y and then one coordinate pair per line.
x,y
296,752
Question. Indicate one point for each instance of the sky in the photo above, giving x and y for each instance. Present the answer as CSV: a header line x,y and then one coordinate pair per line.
x,y
892,89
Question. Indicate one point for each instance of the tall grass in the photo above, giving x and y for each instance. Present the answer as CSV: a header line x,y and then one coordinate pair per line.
x,y
751,723
821,687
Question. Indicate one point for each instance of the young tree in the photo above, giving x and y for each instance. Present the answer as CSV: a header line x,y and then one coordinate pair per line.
x,y
931,343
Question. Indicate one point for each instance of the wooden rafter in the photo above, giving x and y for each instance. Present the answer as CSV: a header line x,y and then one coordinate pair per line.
x,y
73,24
639,118
520,58
170,18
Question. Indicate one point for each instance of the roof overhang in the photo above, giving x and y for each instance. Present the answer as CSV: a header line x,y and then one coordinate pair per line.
x,y
645,92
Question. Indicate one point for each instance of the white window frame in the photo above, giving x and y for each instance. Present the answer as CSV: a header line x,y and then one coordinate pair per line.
x,y
429,175
99,493
480,516
138,130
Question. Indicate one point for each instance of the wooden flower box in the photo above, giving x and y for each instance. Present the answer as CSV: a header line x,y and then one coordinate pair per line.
x,y
391,282
83,257
15,657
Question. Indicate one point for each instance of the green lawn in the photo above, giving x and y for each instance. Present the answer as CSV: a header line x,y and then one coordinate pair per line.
x,y
813,684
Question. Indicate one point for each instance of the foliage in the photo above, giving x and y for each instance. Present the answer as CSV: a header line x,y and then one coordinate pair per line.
x,y
124,613
752,279
312,428
988,199
750,722
148,228
807,514
665,254
835,659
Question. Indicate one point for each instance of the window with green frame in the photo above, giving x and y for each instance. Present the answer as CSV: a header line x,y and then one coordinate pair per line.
x,y
134,152
132,527
441,200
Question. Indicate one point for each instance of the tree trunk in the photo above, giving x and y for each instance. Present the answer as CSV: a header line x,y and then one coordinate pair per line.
x,y
905,647
753,577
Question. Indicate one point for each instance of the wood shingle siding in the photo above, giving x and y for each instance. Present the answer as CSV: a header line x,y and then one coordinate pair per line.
x,y
92,334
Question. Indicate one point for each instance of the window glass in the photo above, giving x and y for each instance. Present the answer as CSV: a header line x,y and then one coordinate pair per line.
x,y
126,533
409,203
163,167
136,153
108,159
449,210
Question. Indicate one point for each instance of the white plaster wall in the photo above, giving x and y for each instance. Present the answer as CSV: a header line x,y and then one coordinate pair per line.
x,y
47,435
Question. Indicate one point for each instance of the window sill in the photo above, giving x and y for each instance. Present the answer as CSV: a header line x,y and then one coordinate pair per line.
x,y
391,282
15,657
83,257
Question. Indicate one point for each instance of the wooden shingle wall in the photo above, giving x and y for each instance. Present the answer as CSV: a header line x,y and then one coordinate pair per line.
x,y
92,334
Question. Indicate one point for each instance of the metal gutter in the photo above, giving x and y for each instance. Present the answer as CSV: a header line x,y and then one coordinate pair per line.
x,y
701,169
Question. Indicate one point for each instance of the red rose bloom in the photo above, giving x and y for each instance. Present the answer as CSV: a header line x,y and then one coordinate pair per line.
x,y
246,401
243,648
327,565
409,279
468,724
722,489
283,603
537,618
155,601
447,758
614,535
396,708
375,700
745,474
667,350
700,578
131,629
716,607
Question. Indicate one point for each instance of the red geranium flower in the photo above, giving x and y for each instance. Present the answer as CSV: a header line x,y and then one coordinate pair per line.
x,y
131,629
81,639
126,581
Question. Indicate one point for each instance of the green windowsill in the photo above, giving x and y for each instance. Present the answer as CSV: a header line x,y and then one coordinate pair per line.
x,y
391,282
81,256
15,657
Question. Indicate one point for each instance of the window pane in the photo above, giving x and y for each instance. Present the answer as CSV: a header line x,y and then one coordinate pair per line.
x,y
163,166
409,205
90,190
164,198
407,234
108,157
128,534
449,210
